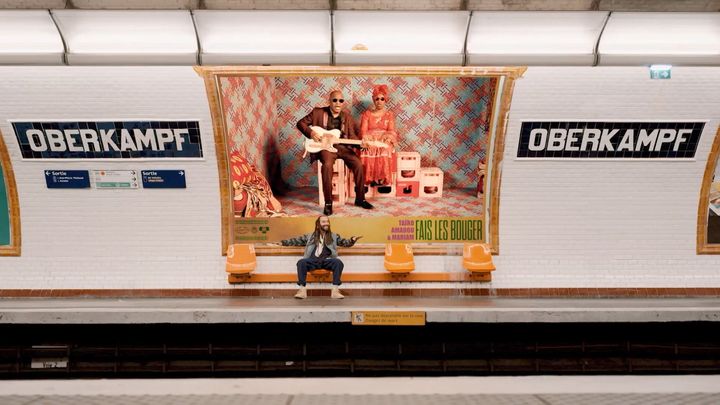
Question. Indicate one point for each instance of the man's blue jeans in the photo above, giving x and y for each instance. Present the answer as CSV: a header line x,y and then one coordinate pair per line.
x,y
333,264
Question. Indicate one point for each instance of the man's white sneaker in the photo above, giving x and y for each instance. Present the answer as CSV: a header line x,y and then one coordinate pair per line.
x,y
301,293
335,293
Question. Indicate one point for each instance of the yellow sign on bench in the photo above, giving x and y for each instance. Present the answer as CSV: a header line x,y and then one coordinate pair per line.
x,y
388,318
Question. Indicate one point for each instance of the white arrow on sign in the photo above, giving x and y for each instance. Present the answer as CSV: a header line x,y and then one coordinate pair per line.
x,y
182,173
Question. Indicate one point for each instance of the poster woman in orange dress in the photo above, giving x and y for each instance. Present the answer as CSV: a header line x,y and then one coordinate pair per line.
x,y
378,124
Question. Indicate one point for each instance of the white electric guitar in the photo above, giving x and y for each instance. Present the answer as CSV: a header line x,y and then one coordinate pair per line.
x,y
332,137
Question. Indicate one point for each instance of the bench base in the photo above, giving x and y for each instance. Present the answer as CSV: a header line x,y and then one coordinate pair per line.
x,y
324,276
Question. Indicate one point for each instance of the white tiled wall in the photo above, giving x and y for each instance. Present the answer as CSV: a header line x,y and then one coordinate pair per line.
x,y
112,238
562,224
618,223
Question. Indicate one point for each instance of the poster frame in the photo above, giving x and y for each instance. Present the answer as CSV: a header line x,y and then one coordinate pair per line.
x,y
13,249
505,83
703,247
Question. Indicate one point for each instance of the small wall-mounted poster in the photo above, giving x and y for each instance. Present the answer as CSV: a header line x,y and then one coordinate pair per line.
x,y
713,224
9,209
104,179
4,212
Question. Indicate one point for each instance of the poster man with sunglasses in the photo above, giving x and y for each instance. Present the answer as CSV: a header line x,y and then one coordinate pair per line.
x,y
334,116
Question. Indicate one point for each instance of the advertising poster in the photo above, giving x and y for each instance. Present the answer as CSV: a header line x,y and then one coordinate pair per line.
x,y
420,142
4,212
713,228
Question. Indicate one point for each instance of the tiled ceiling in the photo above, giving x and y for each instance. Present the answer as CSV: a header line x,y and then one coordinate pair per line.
x,y
484,5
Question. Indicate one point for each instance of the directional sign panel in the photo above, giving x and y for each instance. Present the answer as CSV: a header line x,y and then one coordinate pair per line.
x,y
116,178
394,318
67,179
163,179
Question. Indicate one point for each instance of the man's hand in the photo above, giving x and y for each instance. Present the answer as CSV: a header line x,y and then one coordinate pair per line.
x,y
316,136
354,239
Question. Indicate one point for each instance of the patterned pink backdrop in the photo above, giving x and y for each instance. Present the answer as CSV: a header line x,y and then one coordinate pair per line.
x,y
445,119
250,106
297,97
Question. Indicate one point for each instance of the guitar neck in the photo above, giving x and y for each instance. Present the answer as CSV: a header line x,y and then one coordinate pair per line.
x,y
348,141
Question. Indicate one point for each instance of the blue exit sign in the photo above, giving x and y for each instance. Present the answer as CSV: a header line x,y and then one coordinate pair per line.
x,y
163,178
67,179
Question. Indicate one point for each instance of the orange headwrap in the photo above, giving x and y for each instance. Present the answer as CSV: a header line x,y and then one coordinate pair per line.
x,y
380,89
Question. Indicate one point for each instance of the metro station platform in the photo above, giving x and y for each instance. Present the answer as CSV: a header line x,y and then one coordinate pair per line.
x,y
356,337
544,390
325,310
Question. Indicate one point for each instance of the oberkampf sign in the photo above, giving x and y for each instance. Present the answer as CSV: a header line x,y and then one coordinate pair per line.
x,y
109,139
609,139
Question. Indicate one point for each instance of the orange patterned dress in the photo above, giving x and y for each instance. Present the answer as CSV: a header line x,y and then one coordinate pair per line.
x,y
378,162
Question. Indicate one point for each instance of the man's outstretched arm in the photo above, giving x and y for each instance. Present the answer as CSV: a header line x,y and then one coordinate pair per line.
x,y
298,241
346,242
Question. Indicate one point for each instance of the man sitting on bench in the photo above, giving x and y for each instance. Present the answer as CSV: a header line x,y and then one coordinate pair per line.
x,y
320,253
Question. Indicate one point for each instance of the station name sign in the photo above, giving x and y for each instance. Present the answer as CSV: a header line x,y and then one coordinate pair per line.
x,y
108,139
578,140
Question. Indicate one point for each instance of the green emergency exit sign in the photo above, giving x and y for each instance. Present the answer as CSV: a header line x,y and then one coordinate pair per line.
x,y
660,72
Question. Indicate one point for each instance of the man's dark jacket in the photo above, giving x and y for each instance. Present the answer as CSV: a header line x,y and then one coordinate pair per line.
x,y
321,116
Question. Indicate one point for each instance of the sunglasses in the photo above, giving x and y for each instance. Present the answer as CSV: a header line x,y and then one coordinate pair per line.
x,y
379,98
338,100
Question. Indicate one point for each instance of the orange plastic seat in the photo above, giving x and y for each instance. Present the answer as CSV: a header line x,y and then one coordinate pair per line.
x,y
477,258
399,258
240,258
320,275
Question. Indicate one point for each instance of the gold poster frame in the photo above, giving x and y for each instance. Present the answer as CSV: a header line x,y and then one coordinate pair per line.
x,y
13,249
703,247
211,75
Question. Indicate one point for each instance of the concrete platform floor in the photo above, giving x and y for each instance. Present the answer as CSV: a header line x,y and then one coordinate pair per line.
x,y
546,390
323,309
